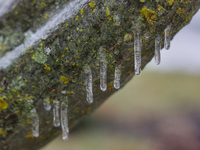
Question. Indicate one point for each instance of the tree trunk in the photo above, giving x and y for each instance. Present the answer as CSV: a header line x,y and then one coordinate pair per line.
x,y
46,44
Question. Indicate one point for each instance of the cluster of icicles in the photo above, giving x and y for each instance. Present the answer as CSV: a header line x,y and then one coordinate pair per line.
x,y
103,83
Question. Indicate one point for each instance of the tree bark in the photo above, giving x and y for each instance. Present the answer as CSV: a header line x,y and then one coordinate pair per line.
x,y
44,46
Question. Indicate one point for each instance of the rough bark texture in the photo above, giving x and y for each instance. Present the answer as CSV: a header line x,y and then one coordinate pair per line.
x,y
45,44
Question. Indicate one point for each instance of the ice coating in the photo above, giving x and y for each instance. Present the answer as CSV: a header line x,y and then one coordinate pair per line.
x,y
88,83
64,120
103,69
35,123
167,37
117,76
47,104
56,119
137,52
157,49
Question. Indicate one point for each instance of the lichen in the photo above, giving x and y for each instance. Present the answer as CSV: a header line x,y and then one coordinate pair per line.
x,y
64,79
3,103
148,14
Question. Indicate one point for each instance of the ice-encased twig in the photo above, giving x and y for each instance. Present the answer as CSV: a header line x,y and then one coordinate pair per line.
x,y
103,69
157,49
167,37
56,119
47,104
64,119
137,52
88,83
117,76
35,123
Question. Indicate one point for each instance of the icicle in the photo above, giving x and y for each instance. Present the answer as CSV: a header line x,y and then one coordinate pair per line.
x,y
117,76
88,83
137,52
103,70
167,37
47,104
64,120
35,123
157,49
56,119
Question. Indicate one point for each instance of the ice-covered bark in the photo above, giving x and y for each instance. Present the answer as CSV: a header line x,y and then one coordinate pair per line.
x,y
44,46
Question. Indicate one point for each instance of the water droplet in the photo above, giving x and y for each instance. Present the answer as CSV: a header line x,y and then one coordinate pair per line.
x,y
167,37
103,69
137,52
157,49
56,120
64,120
117,76
47,104
35,123
88,83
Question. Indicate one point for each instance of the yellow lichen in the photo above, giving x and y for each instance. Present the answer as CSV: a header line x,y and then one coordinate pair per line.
x,y
10,96
29,121
180,11
26,97
3,104
126,36
30,136
170,2
1,90
47,68
147,14
43,4
33,56
107,11
92,3
82,10
64,79
77,17
2,132
73,64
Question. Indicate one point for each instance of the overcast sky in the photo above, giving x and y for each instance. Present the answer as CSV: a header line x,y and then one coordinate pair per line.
x,y
184,54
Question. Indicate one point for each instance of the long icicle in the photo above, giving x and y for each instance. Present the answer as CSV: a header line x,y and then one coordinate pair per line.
x,y
117,76
47,104
88,83
35,123
64,119
103,70
56,119
137,52
167,37
157,49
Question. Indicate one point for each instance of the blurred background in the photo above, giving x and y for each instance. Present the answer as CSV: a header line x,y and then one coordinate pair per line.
x,y
159,110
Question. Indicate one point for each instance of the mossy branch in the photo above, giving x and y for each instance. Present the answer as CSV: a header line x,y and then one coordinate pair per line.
x,y
44,46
